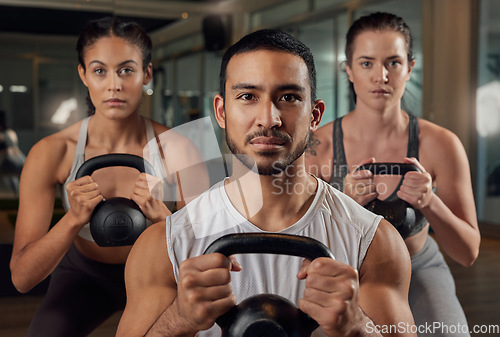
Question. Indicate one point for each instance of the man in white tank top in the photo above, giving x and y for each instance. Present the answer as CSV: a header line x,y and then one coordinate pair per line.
x,y
267,107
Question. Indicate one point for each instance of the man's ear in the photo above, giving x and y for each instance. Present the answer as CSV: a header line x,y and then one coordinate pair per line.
x,y
148,74
81,72
317,114
220,113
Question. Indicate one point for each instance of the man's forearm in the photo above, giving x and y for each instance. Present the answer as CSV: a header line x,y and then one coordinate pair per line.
x,y
170,324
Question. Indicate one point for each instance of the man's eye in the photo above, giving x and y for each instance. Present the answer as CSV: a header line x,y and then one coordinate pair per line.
x,y
365,64
246,97
289,98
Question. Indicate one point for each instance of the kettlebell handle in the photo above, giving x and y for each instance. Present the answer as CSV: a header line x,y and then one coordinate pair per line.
x,y
269,243
114,159
399,213
265,314
398,169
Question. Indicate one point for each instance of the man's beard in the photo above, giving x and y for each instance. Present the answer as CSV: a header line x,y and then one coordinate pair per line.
x,y
277,166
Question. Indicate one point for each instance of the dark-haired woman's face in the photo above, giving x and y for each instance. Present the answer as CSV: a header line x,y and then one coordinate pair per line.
x,y
379,69
114,76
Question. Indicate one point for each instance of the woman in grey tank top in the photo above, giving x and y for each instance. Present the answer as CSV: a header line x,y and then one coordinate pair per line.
x,y
87,285
379,63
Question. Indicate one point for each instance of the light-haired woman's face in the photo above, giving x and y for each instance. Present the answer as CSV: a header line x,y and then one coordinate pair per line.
x,y
114,76
379,68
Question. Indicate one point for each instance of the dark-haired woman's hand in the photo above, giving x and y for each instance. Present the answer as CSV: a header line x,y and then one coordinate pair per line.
x,y
148,195
417,186
83,197
359,185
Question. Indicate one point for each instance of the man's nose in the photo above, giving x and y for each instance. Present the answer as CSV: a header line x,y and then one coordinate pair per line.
x,y
269,115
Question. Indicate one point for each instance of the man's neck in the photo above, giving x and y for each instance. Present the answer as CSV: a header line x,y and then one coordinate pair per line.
x,y
272,202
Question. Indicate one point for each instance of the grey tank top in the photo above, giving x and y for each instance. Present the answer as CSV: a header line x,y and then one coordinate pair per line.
x,y
154,159
340,169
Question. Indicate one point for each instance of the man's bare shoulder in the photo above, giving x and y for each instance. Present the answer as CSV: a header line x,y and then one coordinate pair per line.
x,y
384,279
387,251
149,282
148,263
151,242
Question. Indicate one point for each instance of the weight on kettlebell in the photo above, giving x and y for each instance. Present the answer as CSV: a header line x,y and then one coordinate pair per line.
x,y
267,315
407,220
116,221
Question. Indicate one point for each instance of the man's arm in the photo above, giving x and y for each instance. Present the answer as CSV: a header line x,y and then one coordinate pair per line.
x,y
149,281
159,306
384,282
345,304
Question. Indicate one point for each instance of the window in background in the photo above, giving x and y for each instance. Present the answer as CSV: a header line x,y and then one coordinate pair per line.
x,y
278,14
319,37
325,39
211,68
33,72
488,114
344,101
62,96
164,86
188,88
178,83
18,92
185,88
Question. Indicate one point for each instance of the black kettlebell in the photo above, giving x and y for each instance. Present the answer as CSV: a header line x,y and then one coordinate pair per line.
x,y
116,221
267,315
407,220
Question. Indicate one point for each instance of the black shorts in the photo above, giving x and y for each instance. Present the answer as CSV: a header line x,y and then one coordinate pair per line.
x,y
82,294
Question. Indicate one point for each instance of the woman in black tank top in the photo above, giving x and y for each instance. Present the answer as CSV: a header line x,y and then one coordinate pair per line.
x,y
379,63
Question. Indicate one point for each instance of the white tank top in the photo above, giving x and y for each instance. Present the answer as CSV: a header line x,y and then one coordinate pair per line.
x,y
333,219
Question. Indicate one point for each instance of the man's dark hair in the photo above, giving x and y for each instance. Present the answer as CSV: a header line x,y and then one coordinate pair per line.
x,y
273,40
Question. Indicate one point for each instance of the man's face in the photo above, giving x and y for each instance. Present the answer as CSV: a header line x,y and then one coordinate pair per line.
x,y
267,113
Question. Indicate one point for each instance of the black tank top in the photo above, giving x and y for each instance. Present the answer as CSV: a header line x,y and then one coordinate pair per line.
x,y
340,169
